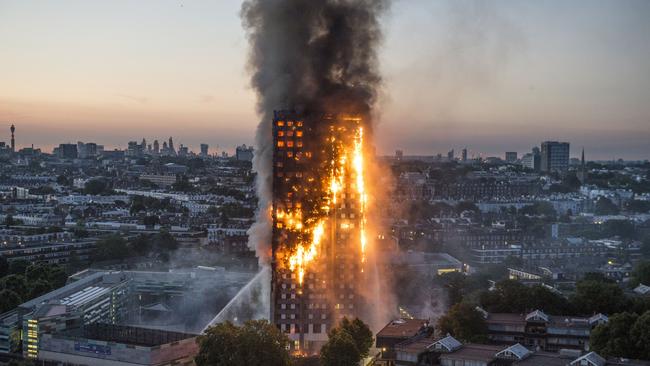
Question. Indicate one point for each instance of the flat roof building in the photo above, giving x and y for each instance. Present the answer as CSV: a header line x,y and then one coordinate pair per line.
x,y
555,156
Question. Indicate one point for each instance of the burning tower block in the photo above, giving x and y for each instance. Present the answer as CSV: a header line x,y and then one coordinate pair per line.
x,y
319,224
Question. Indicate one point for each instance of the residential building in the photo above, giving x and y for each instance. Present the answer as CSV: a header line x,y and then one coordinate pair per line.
x,y
537,330
160,180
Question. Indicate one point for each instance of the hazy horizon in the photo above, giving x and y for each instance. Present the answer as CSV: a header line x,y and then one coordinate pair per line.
x,y
492,76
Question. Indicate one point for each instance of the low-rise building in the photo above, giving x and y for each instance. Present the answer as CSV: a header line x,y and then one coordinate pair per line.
x,y
115,345
398,331
160,180
538,330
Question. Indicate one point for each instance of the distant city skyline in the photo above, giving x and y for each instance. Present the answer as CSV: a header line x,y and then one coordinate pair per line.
x,y
493,76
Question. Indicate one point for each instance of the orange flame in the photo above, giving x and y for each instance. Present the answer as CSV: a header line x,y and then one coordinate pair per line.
x,y
305,253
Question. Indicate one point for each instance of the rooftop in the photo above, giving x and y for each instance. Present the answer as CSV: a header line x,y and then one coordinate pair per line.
x,y
474,352
127,335
402,328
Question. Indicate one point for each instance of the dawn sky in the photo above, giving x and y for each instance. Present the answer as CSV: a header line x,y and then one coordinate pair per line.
x,y
489,75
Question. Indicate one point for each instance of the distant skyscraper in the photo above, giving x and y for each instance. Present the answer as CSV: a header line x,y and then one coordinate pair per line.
x,y
13,140
464,154
450,155
204,150
134,149
156,147
170,146
399,154
555,156
537,159
183,150
511,156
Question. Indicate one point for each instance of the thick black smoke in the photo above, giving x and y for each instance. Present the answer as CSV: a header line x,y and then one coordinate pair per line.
x,y
314,55
311,56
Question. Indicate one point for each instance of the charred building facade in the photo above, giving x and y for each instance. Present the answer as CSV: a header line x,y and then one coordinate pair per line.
x,y
318,238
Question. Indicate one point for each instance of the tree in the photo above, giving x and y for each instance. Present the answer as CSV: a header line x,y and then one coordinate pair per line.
x,y
509,296
360,332
340,350
18,266
512,261
15,283
9,300
213,211
62,180
455,283
598,297
256,343
464,322
183,185
540,297
141,244
513,297
151,221
37,288
571,180
638,206
612,339
641,273
645,247
9,220
4,266
52,274
111,248
622,228
165,241
605,206
597,276
95,186
640,335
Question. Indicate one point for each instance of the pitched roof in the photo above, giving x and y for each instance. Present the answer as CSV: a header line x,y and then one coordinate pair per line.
x,y
590,359
516,351
537,314
642,289
448,343
598,318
